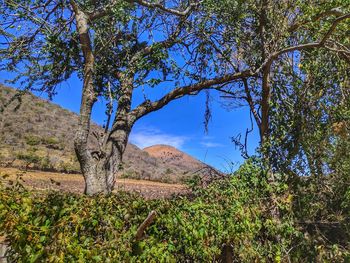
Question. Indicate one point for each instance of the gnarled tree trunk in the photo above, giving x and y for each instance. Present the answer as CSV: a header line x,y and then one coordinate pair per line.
x,y
101,167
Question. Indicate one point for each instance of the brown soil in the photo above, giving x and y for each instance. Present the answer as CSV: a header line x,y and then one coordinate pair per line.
x,y
39,180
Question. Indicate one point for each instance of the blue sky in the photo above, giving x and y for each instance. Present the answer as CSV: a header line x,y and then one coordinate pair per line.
x,y
179,124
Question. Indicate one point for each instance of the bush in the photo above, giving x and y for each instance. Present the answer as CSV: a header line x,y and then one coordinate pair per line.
x,y
29,157
69,167
64,227
32,140
46,164
168,171
51,143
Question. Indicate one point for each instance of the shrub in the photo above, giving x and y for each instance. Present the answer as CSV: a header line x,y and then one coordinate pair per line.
x,y
40,104
46,164
130,174
50,142
65,227
168,171
32,140
69,167
29,157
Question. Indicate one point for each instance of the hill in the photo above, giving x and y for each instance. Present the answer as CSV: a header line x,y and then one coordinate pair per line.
x,y
39,134
172,156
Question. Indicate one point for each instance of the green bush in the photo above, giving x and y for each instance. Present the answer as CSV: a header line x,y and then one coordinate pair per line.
x,y
69,167
46,164
32,140
51,142
64,227
30,157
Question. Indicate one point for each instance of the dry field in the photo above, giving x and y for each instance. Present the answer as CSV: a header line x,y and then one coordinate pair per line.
x,y
39,180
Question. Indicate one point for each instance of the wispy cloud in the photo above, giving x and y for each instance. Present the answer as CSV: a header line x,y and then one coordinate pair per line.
x,y
145,137
211,144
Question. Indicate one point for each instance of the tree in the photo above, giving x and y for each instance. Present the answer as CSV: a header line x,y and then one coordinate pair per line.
x,y
117,47
274,38
310,117
114,47
270,38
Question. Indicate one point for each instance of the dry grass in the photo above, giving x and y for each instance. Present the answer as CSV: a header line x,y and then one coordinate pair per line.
x,y
39,180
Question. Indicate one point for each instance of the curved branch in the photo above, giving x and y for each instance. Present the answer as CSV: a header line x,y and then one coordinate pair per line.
x,y
320,43
165,9
266,68
105,10
148,106
333,12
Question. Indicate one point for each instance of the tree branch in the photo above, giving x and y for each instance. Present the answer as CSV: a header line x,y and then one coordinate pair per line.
x,y
105,10
335,12
163,8
88,94
169,42
147,106
320,43
250,102
266,67
149,220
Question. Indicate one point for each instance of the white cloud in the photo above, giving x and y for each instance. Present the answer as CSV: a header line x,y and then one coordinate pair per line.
x,y
211,144
208,142
149,136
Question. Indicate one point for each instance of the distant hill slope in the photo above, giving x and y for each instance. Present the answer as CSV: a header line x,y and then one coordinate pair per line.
x,y
39,134
171,155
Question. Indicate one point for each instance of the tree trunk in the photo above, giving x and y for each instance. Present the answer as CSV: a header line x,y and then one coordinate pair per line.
x,y
100,168
100,174
95,181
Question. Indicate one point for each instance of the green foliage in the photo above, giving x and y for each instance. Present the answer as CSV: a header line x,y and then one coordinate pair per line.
x,y
30,157
310,116
60,227
50,141
32,140
46,164
130,174
68,167
63,227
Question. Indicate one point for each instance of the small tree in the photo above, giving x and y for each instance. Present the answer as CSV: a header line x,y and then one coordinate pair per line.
x,y
114,47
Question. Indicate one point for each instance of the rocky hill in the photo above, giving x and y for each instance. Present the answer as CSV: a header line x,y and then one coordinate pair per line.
x,y
172,156
39,134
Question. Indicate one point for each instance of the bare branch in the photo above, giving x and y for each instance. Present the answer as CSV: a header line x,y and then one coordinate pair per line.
x,y
106,9
149,220
110,107
148,106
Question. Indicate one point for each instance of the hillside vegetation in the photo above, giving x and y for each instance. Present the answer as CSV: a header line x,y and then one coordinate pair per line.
x,y
39,134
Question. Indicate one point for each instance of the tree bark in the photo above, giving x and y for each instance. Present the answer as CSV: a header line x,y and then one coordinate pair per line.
x,y
100,172
95,180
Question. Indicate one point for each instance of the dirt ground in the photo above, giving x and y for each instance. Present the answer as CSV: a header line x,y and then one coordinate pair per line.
x,y
74,183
